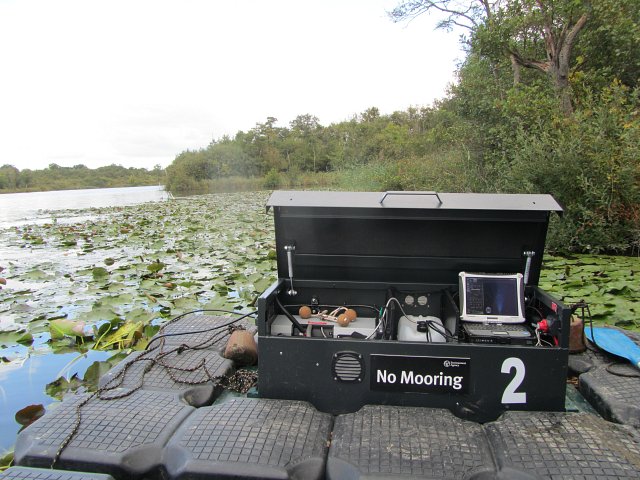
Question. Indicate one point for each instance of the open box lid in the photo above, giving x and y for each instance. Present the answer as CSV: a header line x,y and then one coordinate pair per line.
x,y
408,237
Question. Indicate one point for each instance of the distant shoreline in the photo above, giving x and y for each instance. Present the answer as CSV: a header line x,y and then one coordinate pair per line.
x,y
78,187
78,177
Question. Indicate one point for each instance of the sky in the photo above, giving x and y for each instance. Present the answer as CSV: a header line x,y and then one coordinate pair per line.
x,y
136,82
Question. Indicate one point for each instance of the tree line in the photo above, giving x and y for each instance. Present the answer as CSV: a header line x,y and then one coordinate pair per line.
x,y
546,101
55,177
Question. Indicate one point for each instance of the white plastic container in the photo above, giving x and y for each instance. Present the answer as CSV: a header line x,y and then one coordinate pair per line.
x,y
408,329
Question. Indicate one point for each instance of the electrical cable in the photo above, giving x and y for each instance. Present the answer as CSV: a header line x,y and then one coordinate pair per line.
x,y
430,323
325,307
217,327
291,318
438,328
540,314
322,307
541,342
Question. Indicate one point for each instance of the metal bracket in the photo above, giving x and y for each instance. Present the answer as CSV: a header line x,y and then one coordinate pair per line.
x,y
527,268
410,193
290,249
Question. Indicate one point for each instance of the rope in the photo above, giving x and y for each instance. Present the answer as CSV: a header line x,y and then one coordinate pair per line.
x,y
241,381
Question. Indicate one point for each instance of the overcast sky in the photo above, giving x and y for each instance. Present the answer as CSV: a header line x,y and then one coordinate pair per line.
x,y
135,82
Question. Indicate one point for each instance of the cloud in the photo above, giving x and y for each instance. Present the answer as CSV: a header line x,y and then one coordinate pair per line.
x,y
135,83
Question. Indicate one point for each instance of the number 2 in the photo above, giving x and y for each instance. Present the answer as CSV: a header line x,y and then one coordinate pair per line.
x,y
510,395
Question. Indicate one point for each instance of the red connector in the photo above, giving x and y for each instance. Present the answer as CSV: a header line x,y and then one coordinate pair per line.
x,y
550,326
543,325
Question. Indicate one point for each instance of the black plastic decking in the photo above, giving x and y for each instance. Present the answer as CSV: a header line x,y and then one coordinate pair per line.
x,y
166,430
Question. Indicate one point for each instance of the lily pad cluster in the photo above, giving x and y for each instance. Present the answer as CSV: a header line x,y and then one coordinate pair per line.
x,y
610,285
109,281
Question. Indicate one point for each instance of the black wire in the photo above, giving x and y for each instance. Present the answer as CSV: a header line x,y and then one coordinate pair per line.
x,y
205,310
217,327
540,314
370,307
291,318
435,326
583,306
430,323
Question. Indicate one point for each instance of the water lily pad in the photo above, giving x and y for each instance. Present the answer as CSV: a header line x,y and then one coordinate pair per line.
x,y
61,386
607,283
94,372
628,323
99,273
25,339
124,337
98,313
156,266
11,338
63,327
263,283
29,414
69,242
36,274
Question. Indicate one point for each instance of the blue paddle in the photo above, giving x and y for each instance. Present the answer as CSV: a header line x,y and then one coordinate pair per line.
x,y
616,342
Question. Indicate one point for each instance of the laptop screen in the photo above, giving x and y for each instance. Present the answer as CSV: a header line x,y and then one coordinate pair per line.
x,y
491,298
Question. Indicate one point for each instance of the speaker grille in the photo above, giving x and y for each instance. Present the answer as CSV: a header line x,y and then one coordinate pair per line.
x,y
347,367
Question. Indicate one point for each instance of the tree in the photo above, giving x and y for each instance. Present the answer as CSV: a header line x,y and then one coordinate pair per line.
x,y
9,176
608,48
536,34
458,13
263,140
304,137
523,26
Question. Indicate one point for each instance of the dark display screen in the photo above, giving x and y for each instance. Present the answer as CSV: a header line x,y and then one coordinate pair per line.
x,y
491,296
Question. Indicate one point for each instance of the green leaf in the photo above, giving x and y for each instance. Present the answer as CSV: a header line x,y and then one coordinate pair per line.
x,y
36,274
98,312
625,323
63,327
6,460
124,337
94,372
99,273
59,387
156,267
29,414
25,339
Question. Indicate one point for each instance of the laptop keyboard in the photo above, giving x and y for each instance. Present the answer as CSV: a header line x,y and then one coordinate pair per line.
x,y
507,329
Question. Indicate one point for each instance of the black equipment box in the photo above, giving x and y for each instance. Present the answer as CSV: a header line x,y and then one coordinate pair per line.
x,y
395,259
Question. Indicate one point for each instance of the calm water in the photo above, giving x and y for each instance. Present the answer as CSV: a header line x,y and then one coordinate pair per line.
x,y
19,208
23,383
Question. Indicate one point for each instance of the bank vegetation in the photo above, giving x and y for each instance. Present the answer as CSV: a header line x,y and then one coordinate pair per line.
x,y
546,101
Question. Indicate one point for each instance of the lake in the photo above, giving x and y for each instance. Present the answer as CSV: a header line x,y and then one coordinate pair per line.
x,y
25,369
20,208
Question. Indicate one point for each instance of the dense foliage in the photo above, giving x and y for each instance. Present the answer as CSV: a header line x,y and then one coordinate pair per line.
x,y
56,177
546,101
